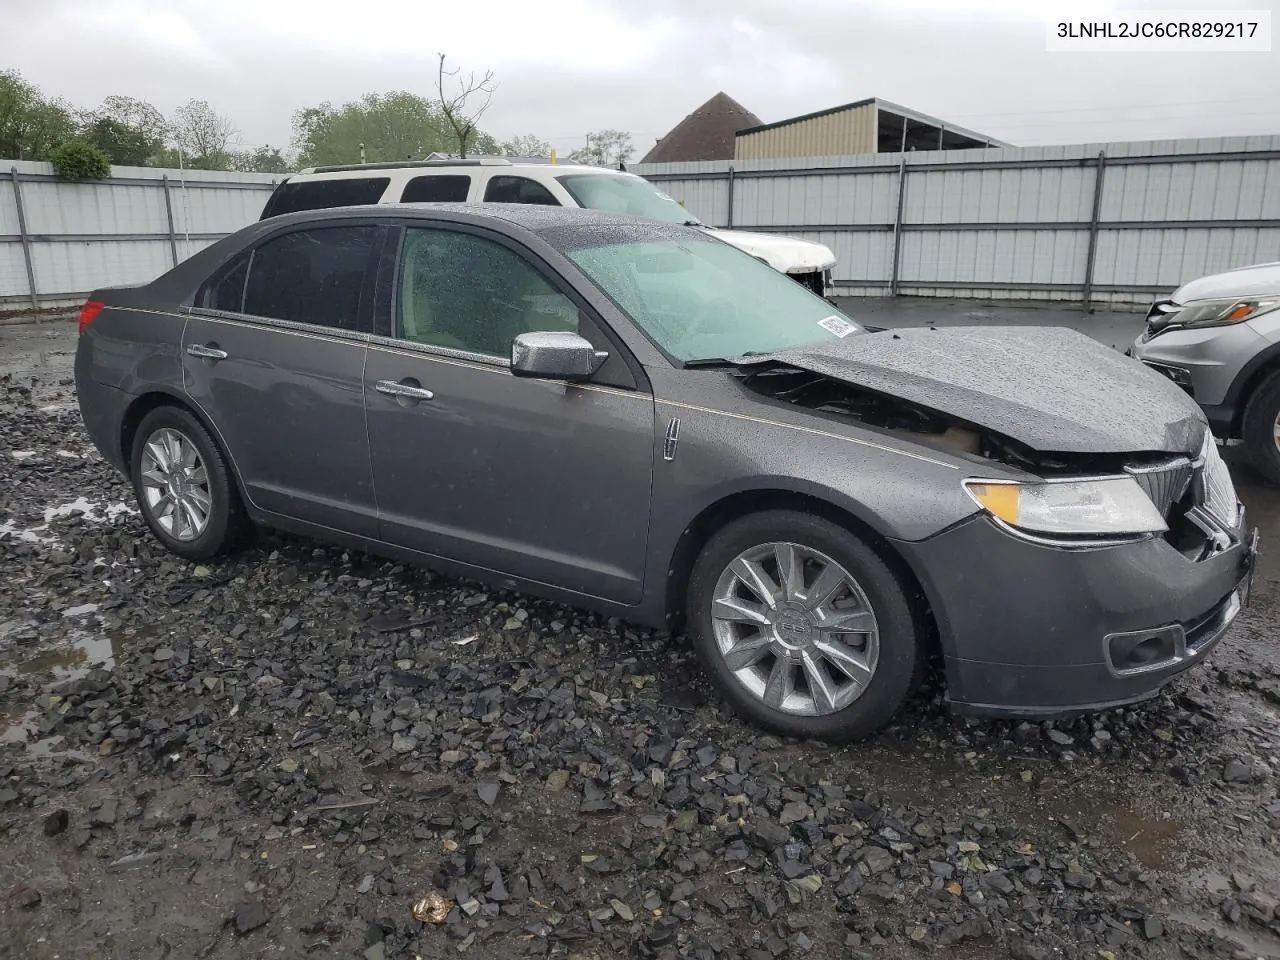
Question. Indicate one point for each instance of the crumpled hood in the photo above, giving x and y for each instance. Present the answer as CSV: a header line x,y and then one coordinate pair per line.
x,y
1053,389
782,253
1259,280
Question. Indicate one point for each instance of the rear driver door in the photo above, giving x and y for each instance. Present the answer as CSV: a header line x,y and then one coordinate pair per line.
x,y
274,353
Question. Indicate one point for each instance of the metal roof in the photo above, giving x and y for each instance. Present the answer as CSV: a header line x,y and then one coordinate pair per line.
x,y
887,107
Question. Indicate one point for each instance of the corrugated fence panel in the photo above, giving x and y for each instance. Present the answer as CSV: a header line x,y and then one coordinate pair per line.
x,y
13,273
116,231
1178,209
993,221
213,210
77,268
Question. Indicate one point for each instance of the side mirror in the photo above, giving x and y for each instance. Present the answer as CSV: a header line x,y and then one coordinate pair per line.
x,y
555,356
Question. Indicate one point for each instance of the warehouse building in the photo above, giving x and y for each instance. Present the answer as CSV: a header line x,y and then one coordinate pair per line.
x,y
723,129
866,126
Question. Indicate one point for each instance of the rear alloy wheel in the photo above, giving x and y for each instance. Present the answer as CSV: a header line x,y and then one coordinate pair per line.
x,y
1262,428
183,485
802,626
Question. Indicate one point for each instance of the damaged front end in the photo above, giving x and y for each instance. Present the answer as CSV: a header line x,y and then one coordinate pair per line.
x,y
1191,494
932,428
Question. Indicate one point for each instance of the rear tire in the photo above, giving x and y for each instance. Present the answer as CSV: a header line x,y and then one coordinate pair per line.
x,y
1261,436
834,669
184,487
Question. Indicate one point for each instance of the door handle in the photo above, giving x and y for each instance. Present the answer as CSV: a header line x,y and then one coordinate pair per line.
x,y
408,391
206,352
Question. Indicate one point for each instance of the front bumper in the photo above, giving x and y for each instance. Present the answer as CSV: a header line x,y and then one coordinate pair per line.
x,y
1031,630
1203,361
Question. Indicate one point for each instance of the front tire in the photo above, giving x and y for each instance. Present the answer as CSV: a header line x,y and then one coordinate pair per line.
x,y
1262,428
184,487
802,626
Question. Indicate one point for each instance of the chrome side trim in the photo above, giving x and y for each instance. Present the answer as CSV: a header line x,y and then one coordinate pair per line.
x,y
327,334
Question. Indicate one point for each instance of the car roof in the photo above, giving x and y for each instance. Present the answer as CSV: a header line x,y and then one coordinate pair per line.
x,y
494,164
564,228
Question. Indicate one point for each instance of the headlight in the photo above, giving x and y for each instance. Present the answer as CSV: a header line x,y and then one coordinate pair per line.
x,y
1114,506
1216,313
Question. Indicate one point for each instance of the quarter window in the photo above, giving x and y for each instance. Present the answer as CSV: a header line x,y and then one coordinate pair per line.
x,y
323,194
225,290
439,188
518,190
312,276
465,292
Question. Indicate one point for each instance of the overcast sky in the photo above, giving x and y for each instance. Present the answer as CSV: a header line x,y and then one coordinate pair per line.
x,y
571,66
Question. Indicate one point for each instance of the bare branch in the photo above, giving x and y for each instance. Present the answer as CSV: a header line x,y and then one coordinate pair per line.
x,y
460,100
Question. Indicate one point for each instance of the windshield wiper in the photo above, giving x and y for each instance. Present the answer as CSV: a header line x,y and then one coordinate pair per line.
x,y
696,223
742,360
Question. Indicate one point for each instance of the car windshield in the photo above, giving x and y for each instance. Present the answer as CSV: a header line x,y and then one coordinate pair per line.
x,y
702,300
623,193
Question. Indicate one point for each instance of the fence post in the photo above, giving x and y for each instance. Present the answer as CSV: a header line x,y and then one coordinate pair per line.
x,y
897,225
168,209
731,178
26,240
1091,255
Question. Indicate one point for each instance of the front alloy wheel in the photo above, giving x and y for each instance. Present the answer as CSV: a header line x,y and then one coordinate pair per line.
x,y
803,626
795,629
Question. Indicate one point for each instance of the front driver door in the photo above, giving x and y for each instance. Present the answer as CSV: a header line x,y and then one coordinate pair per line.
x,y
542,480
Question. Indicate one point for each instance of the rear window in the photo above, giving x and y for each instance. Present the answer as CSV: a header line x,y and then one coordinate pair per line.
x,y
292,197
312,276
452,188
518,190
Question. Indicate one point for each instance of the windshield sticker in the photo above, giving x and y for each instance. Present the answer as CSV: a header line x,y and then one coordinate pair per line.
x,y
833,324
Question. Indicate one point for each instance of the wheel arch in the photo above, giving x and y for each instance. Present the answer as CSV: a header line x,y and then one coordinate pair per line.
x,y
144,403
1252,375
734,506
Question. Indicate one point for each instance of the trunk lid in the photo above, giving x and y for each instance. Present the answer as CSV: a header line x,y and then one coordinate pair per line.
x,y
1050,388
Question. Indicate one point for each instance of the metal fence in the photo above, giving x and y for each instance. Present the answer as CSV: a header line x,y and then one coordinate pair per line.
x,y
1119,223
1113,223
60,240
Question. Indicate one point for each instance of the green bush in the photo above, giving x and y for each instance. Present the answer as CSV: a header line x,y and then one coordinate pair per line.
x,y
78,160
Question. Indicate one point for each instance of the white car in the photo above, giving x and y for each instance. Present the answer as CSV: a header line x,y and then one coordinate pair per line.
x,y
501,180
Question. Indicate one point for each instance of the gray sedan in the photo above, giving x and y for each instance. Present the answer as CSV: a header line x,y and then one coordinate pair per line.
x,y
640,419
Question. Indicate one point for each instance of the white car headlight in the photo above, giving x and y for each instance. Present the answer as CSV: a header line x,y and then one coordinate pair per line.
x,y
1217,313
1112,506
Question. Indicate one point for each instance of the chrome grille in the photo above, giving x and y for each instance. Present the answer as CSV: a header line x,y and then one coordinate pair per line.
x,y
1165,483
1217,493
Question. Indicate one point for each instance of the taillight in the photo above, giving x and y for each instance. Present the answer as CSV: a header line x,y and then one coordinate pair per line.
x,y
89,311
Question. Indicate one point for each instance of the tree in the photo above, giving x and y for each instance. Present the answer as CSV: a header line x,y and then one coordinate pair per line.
x,y
139,116
124,145
605,148
463,100
204,135
30,124
526,145
390,127
266,159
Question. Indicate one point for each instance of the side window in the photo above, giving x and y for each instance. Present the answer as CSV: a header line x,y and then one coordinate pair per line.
x,y
465,292
225,289
323,194
518,190
439,188
311,276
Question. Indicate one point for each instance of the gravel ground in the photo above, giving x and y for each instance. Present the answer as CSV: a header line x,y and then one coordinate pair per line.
x,y
283,753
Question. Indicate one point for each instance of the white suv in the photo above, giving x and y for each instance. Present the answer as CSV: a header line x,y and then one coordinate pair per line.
x,y
501,180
